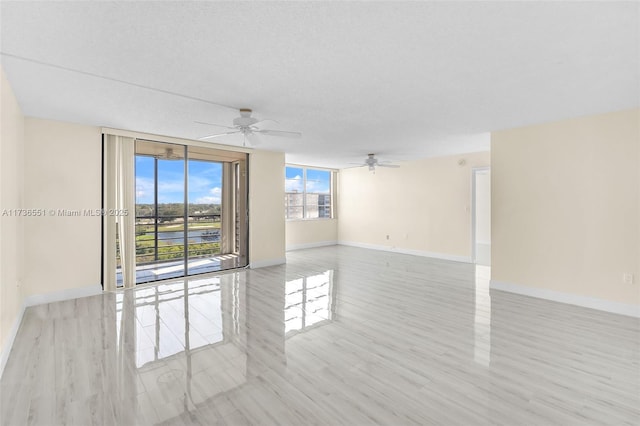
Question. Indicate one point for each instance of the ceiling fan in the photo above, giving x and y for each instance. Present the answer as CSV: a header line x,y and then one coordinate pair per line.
x,y
246,125
372,162
169,154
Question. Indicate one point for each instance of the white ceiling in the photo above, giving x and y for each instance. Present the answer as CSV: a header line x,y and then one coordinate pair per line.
x,y
402,79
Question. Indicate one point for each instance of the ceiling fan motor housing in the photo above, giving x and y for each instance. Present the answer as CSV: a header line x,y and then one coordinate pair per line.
x,y
372,162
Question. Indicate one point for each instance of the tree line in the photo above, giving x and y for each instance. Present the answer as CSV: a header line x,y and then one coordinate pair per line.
x,y
177,209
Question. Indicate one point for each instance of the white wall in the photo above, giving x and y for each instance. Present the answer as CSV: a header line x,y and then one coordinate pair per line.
x,y
424,206
566,207
11,227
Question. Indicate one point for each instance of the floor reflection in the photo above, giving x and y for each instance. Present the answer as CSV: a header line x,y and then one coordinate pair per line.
x,y
482,318
186,344
182,342
174,317
308,302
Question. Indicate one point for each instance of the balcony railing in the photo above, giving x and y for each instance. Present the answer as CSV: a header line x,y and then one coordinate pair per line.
x,y
162,238
165,239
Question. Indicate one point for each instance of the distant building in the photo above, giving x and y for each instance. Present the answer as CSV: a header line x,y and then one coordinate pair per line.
x,y
318,205
324,205
294,205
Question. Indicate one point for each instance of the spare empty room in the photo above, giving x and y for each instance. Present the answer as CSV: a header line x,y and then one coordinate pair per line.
x,y
320,213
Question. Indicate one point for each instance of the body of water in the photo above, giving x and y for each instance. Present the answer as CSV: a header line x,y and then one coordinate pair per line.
x,y
195,236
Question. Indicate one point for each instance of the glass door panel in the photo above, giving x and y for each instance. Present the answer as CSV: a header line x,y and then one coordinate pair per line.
x,y
160,211
205,216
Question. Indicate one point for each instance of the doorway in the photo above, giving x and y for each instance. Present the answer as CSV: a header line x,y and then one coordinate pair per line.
x,y
481,216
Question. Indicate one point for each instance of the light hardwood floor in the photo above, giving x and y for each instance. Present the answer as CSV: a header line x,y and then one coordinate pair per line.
x,y
338,336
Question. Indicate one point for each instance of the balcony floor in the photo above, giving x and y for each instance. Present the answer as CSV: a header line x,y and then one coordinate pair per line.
x,y
175,268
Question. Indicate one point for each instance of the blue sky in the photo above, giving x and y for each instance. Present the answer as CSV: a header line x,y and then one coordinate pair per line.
x,y
205,181
317,180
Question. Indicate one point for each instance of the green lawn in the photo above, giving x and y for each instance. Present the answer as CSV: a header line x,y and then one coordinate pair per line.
x,y
141,229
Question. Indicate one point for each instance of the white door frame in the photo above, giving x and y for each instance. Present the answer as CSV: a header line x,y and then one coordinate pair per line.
x,y
474,172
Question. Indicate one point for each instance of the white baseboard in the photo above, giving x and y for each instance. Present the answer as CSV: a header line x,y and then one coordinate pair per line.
x,y
6,350
268,262
571,299
443,256
40,299
57,296
311,245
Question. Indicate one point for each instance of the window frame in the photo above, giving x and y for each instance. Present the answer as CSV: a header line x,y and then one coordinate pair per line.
x,y
332,177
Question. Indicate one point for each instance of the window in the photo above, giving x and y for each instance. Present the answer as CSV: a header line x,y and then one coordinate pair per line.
x,y
308,193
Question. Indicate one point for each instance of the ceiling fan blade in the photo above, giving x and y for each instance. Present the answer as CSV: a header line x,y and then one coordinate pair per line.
x,y
219,134
279,133
217,125
387,165
264,121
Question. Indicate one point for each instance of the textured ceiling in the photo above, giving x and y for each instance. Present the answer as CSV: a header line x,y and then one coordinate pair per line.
x,y
402,79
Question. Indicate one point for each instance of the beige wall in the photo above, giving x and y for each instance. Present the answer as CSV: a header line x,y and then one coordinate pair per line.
x,y
62,171
11,227
308,233
424,206
566,206
266,208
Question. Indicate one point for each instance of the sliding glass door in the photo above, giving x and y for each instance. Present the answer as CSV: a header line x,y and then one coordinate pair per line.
x,y
204,224
190,210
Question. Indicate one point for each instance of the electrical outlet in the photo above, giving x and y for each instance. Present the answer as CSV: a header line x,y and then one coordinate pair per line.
x,y
387,236
627,278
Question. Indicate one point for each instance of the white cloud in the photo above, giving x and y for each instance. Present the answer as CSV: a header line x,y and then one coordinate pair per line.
x,y
214,197
144,190
317,187
172,190
293,184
